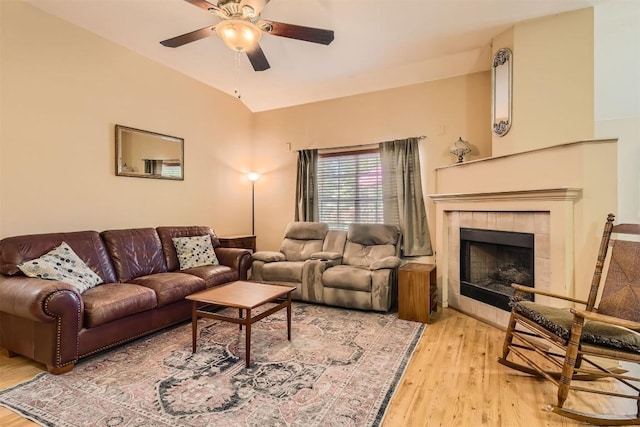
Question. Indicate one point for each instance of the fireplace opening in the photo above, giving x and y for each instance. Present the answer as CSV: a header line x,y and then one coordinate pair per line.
x,y
490,261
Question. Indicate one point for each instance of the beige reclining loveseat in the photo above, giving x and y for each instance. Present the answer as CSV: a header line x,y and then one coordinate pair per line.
x,y
353,269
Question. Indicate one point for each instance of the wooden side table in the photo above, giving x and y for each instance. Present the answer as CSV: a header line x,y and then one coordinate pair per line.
x,y
417,288
242,241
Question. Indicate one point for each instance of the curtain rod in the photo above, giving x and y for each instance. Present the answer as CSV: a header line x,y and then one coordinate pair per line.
x,y
420,138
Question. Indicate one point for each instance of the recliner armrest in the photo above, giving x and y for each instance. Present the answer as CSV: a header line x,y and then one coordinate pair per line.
x,y
387,262
328,256
269,256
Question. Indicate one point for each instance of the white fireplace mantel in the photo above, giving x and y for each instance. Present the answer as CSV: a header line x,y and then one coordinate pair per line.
x,y
566,190
539,194
518,211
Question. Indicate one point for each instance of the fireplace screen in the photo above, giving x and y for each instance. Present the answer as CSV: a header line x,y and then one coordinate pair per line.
x,y
490,261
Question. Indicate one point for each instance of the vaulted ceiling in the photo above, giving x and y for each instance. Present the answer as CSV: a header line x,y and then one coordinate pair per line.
x,y
378,44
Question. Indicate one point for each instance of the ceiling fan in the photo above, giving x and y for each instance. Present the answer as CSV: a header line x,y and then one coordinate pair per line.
x,y
241,28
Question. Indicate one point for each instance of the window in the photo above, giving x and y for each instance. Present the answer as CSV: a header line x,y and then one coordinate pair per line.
x,y
172,169
350,188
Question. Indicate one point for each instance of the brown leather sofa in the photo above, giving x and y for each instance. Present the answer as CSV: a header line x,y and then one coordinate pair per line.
x,y
143,291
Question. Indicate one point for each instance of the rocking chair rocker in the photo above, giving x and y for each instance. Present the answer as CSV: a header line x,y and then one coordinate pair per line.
x,y
575,342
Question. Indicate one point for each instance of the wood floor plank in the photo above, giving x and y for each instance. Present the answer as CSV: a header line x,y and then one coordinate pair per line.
x,y
452,380
15,370
455,380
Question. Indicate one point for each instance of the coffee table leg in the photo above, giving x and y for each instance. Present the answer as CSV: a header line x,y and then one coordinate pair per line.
x,y
194,325
248,338
289,316
240,316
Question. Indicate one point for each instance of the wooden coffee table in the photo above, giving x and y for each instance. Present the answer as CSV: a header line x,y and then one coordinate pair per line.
x,y
243,296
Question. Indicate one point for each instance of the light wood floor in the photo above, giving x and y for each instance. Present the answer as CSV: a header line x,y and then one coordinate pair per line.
x,y
452,380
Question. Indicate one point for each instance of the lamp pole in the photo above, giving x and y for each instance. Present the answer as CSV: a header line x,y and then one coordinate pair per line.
x,y
253,177
253,208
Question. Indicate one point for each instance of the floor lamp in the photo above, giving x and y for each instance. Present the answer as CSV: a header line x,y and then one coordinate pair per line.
x,y
253,177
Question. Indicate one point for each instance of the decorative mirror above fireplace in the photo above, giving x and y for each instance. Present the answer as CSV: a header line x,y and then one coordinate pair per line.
x,y
144,154
501,77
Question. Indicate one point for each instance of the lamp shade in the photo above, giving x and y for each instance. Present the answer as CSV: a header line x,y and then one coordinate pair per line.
x,y
238,34
460,148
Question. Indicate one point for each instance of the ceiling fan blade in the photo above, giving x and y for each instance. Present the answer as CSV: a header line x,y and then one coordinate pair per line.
x,y
257,59
298,32
202,4
189,37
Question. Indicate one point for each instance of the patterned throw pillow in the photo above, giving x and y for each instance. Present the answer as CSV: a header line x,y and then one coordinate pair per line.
x,y
194,251
63,265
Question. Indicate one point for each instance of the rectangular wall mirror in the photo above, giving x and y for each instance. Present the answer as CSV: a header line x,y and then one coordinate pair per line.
x,y
144,154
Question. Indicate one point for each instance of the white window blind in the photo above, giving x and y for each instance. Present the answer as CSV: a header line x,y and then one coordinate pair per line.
x,y
350,188
172,169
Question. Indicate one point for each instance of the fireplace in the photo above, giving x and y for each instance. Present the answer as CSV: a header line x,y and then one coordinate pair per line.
x,y
490,261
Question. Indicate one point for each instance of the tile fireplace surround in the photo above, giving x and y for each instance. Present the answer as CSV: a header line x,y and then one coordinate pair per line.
x,y
565,207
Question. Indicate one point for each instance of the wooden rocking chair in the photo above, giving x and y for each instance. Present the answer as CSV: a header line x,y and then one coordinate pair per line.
x,y
575,342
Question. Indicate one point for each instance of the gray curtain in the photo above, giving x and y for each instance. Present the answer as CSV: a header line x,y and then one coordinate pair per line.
x,y
402,194
306,186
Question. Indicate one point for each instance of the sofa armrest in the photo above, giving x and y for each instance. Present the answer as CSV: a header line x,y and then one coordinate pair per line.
x,y
312,286
30,298
269,256
236,258
43,301
387,262
327,256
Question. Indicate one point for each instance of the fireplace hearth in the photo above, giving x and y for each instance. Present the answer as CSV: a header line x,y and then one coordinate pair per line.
x,y
490,261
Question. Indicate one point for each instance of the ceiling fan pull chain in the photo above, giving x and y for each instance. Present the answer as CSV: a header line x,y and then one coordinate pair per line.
x,y
236,61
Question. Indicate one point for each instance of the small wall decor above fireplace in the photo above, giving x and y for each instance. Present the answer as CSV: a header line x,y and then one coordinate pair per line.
x,y
501,77
490,261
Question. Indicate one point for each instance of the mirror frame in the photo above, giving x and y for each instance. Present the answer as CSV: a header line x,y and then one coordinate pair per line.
x,y
502,58
120,171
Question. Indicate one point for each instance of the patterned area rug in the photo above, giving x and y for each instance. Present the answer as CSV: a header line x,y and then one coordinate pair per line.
x,y
340,368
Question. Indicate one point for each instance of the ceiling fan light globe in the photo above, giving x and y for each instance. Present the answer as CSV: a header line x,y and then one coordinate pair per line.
x,y
238,35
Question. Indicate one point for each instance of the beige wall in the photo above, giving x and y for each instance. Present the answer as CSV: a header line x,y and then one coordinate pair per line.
x,y
442,110
552,81
617,95
63,89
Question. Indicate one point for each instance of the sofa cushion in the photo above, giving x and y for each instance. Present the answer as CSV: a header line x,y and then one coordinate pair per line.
x,y
194,251
559,321
347,277
86,244
284,271
373,234
113,301
300,250
361,255
62,264
334,241
171,287
214,275
135,252
301,239
306,230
